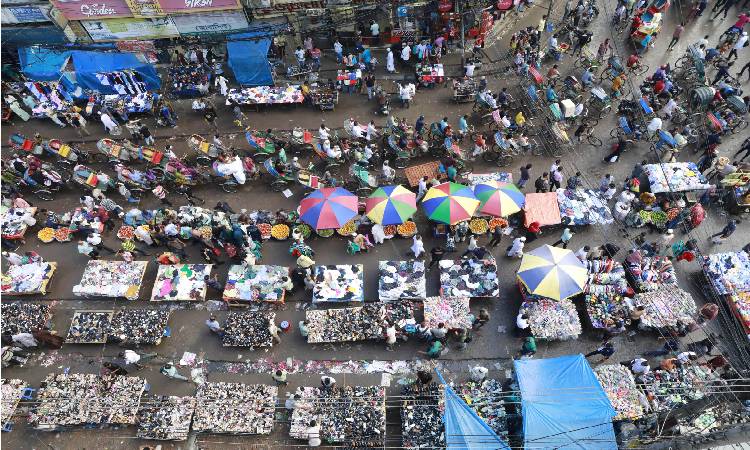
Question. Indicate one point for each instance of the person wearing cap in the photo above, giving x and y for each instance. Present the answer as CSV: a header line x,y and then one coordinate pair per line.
x,y
327,381
170,371
214,325
516,249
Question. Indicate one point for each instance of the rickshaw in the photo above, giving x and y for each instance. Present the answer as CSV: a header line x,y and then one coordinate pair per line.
x,y
624,128
360,181
464,90
330,163
599,103
402,156
263,146
531,100
209,151
500,152
128,151
90,179
613,69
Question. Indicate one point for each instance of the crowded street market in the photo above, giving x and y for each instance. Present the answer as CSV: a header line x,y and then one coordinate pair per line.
x,y
442,224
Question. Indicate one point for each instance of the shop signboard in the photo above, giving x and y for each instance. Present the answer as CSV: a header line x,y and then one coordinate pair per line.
x,y
145,8
284,7
93,9
189,6
210,22
116,29
25,14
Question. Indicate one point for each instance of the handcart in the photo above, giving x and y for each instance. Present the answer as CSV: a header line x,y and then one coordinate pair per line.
x,y
464,90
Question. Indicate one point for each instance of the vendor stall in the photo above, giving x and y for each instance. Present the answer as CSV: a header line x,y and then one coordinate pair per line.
x,y
487,399
675,388
166,418
28,279
469,278
354,415
266,95
675,177
359,323
188,81
422,416
401,279
617,381
552,320
10,396
429,74
15,221
23,317
248,329
89,327
77,399
324,98
337,284
604,291
542,208
138,326
259,283
181,282
134,104
111,279
235,408
47,94
347,78
464,90
648,25
454,312
666,307
728,275
648,273
584,207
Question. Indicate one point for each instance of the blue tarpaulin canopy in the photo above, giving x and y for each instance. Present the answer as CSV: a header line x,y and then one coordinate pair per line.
x,y
42,64
90,64
248,58
564,406
464,429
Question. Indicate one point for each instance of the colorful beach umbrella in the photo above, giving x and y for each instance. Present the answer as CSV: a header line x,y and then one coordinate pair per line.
x,y
391,205
499,199
328,208
450,203
552,272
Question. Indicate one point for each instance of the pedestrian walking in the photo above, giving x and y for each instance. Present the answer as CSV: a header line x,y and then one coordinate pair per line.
x,y
436,254
222,83
338,49
557,178
607,349
542,183
390,336
417,246
481,319
725,232
741,43
136,359
79,123
161,193
170,371
725,7
497,234
528,349
516,249
214,325
676,36
525,176
327,381
565,238
109,124
280,375
84,248
148,138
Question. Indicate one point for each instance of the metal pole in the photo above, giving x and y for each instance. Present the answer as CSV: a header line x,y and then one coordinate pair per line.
x,y
463,39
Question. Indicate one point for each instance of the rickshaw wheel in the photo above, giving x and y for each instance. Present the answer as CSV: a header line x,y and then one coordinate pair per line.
x,y
96,157
158,173
490,155
741,126
229,187
278,185
260,157
65,173
504,160
364,191
604,111
203,161
401,163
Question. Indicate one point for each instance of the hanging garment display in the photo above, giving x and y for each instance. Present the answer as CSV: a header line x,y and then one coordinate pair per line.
x,y
469,278
22,317
248,329
89,327
422,416
728,272
111,279
138,326
166,418
123,81
401,279
28,279
12,391
256,283
360,323
181,282
617,381
342,283
234,408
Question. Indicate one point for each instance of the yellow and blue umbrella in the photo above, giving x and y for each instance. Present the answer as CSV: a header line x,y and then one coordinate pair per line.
x,y
552,272
391,205
450,203
499,199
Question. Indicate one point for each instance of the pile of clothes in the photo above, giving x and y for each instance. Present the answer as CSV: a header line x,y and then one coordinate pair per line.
x,y
356,324
256,283
619,384
31,278
650,272
138,326
552,320
111,279
584,207
401,279
180,282
89,327
469,278
342,283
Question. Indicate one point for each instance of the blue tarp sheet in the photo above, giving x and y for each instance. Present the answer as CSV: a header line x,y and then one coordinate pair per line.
x,y
89,64
464,429
34,35
564,406
248,58
42,64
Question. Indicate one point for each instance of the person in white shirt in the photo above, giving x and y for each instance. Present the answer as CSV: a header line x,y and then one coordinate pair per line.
x,y
654,125
372,132
339,50
582,253
291,402
390,337
522,321
417,246
300,55
516,249
313,434
132,357
390,65
405,54
13,258
470,69
331,152
686,357
327,381
374,29
478,373
640,366
669,108
214,325
109,124
323,132
25,340
388,172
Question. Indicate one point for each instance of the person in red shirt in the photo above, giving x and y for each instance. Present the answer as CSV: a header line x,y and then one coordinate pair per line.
x,y
633,61
533,231
742,19
659,86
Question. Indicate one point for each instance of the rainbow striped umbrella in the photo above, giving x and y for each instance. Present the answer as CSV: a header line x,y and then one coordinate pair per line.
x,y
552,272
450,203
499,199
328,208
391,205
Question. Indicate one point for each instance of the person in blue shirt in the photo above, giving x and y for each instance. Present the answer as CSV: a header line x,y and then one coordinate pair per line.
x,y
551,95
463,126
366,58
587,79
419,126
443,124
